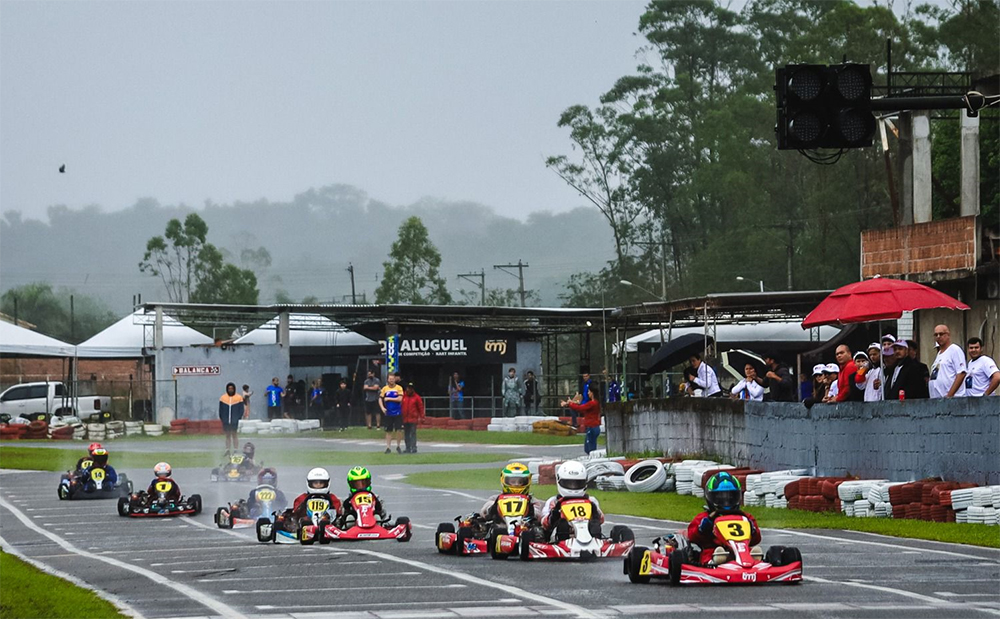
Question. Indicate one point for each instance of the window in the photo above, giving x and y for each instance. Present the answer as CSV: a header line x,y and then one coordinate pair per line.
x,y
16,393
60,390
38,392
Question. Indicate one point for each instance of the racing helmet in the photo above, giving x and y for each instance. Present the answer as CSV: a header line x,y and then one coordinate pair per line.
x,y
248,450
515,478
571,479
359,479
317,481
162,469
267,476
723,492
99,456
93,447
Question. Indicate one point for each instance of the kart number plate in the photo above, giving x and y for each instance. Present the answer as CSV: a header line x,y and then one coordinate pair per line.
x,y
363,499
644,564
734,530
164,486
265,495
512,505
86,464
236,459
97,474
233,473
576,511
317,505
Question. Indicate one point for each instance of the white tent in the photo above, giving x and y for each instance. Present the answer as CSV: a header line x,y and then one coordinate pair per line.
x,y
306,330
763,332
126,338
15,340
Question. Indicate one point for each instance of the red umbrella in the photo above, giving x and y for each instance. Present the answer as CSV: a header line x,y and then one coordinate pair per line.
x,y
874,299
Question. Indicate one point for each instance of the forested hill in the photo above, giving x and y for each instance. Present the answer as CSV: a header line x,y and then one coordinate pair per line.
x,y
311,239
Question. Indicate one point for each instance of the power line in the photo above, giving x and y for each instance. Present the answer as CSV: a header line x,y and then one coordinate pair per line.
x,y
520,266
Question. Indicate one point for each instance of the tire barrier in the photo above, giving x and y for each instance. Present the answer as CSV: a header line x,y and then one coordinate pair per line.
x,y
646,476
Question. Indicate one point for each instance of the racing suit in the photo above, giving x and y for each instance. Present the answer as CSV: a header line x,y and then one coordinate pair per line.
x,y
110,476
278,503
299,506
552,517
701,532
174,494
490,513
349,509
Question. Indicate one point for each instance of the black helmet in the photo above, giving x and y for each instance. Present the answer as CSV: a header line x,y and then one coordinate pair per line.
x,y
723,492
248,450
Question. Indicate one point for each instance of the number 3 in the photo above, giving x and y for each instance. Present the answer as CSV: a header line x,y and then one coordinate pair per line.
x,y
736,528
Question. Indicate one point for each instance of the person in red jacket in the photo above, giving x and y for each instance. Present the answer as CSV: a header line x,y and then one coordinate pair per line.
x,y
413,413
591,410
723,495
846,389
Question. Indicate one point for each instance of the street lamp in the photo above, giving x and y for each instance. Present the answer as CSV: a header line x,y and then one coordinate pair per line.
x,y
743,279
625,282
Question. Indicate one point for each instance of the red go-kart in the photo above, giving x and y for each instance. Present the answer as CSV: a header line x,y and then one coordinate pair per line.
x,y
734,561
477,535
362,524
582,543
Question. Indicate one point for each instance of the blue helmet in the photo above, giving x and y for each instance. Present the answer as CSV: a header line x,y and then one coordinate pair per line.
x,y
723,492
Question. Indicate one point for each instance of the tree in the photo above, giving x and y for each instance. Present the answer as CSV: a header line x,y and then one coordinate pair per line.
x,y
49,311
193,270
501,297
411,273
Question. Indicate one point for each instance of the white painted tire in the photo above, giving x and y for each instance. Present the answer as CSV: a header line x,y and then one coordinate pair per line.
x,y
606,467
646,476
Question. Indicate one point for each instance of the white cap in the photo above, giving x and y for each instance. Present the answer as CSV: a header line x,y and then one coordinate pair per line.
x,y
818,369
888,337
901,344
875,345
833,368
861,355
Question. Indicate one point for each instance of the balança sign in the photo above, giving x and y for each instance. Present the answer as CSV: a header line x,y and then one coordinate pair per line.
x,y
196,370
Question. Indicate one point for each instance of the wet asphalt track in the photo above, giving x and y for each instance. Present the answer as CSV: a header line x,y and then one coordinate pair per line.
x,y
185,567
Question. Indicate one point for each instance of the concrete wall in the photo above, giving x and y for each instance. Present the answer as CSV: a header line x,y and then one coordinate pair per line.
x,y
955,439
198,396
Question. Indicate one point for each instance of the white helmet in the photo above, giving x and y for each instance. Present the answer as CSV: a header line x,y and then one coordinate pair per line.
x,y
571,479
317,481
162,469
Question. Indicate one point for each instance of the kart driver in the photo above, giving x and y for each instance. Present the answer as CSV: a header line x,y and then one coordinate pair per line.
x,y
723,495
571,483
87,461
98,459
248,453
360,480
268,478
162,474
514,479
317,484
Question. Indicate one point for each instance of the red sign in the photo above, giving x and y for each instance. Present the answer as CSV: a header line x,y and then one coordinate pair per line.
x,y
196,370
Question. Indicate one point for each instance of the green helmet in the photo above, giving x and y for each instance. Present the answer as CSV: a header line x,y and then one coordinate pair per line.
x,y
359,478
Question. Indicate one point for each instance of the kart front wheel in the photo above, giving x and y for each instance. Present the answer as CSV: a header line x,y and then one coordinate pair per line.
x,y
774,555
195,503
444,527
63,492
621,533
494,543
409,530
223,518
123,505
464,533
790,555
633,565
674,565
265,530
525,543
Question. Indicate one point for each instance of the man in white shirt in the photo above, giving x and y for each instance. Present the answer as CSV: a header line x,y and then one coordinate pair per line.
x,y
948,372
706,380
984,376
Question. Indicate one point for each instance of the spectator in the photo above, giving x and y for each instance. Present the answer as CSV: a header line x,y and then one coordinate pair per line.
x,y
456,397
512,395
413,413
591,410
830,373
231,410
372,387
948,371
846,390
705,377
342,404
690,385
532,394
750,387
873,377
906,379
778,379
246,401
859,382
984,376
819,381
274,399
291,398
391,403
805,386
316,398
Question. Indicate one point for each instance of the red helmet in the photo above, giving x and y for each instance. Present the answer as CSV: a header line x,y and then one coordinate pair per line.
x,y
93,447
268,476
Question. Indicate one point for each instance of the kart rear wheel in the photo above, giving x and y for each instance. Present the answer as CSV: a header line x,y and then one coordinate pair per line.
x,y
790,555
633,565
264,524
674,565
195,502
524,548
123,505
444,527
774,555
223,518
493,541
621,533
409,530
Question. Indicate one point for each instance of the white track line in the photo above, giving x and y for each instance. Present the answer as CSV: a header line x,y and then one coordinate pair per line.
x,y
895,546
309,589
124,607
224,610
244,577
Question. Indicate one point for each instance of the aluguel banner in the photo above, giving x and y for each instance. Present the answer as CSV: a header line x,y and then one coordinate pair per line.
x,y
468,348
392,353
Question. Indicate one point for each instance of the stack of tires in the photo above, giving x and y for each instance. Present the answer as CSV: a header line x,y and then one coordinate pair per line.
x,y
178,426
649,476
114,429
12,432
96,432
36,430
152,429
133,428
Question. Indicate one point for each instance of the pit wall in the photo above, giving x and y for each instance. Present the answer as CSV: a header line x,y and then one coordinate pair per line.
x,y
955,439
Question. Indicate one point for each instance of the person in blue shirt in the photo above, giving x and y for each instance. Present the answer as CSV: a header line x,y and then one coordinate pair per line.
x,y
274,393
391,401
584,394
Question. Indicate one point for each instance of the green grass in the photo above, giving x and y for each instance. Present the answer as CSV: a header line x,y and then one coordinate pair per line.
x,y
29,593
44,459
671,506
436,435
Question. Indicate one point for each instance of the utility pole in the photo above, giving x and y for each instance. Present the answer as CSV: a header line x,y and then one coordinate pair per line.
x,y
520,266
481,276
354,296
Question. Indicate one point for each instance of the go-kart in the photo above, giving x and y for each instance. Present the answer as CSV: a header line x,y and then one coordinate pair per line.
x,y
477,535
360,522
239,515
733,562
281,528
143,504
236,467
92,483
579,540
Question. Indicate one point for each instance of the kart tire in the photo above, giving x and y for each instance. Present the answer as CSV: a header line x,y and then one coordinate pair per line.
x,y
123,505
444,527
409,529
195,502
223,522
674,565
492,542
526,538
302,533
774,555
464,533
260,537
790,555
621,533
63,492
633,564
646,476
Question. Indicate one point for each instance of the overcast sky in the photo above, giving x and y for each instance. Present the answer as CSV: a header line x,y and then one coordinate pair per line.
x,y
223,101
